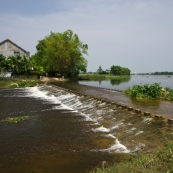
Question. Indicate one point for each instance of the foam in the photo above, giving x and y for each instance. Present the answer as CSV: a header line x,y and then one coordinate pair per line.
x,y
138,133
110,136
117,148
117,126
101,129
139,147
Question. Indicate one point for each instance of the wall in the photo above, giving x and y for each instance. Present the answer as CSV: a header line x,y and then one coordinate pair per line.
x,y
8,49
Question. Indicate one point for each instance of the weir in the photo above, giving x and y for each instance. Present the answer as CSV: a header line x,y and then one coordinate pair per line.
x,y
114,120
158,109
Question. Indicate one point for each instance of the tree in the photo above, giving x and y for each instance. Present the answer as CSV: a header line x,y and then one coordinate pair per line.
x,y
118,70
62,53
2,62
99,71
14,64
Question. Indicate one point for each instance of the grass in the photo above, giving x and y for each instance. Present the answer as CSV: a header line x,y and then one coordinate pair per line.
x,y
97,77
15,119
160,161
17,82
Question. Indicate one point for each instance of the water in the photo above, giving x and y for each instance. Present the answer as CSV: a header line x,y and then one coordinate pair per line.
x,y
67,133
122,84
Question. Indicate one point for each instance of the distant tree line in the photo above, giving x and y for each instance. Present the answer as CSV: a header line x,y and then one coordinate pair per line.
x,y
115,70
162,73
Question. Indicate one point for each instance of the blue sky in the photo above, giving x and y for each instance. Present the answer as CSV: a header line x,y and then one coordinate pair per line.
x,y
137,34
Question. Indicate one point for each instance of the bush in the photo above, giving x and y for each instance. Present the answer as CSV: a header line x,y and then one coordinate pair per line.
x,y
153,91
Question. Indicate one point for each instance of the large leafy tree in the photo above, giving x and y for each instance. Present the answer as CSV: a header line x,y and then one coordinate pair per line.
x,y
62,53
118,70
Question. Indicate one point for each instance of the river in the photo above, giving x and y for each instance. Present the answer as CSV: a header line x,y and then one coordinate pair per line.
x,y
69,133
122,84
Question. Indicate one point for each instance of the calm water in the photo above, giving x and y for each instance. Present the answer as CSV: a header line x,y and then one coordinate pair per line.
x,y
165,81
67,133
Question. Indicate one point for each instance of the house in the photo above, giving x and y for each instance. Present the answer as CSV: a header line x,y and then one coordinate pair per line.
x,y
9,48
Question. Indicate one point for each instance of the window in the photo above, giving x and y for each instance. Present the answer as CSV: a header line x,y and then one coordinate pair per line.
x,y
16,53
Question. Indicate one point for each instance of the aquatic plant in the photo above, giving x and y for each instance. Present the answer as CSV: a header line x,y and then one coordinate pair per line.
x,y
146,91
15,119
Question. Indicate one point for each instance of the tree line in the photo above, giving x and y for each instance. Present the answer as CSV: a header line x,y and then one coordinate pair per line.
x,y
162,73
57,53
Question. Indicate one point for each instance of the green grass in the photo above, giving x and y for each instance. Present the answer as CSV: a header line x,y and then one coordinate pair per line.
x,y
17,82
97,77
160,161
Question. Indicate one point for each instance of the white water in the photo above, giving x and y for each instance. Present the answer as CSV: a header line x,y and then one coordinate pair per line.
x,y
102,118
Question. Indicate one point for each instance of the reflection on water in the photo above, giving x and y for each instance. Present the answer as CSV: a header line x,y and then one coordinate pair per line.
x,y
119,81
165,81
69,133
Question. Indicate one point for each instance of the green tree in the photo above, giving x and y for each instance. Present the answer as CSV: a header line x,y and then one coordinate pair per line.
x,y
99,70
118,70
62,53
16,64
2,62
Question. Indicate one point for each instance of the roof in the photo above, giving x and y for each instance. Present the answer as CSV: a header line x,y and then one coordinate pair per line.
x,y
7,40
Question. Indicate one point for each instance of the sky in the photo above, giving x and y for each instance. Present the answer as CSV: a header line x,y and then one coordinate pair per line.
x,y
137,34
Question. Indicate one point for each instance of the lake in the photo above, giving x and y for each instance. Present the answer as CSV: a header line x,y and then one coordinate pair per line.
x,y
164,80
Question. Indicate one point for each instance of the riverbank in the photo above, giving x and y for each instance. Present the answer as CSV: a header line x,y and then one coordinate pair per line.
x,y
159,161
18,82
97,77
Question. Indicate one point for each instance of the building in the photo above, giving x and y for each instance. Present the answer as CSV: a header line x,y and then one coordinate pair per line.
x,y
8,48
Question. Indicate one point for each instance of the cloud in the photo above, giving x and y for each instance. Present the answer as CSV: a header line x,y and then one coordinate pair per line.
x,y
135,34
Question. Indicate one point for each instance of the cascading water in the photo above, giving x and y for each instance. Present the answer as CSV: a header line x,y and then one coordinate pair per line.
x,y
69,133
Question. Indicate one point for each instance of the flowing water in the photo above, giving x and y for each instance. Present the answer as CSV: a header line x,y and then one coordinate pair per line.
x,y
68,133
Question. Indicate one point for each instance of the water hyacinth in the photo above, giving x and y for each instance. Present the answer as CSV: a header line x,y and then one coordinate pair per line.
x,y
146,91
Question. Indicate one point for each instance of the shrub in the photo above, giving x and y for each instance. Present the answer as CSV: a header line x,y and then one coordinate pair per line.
x,y
153,91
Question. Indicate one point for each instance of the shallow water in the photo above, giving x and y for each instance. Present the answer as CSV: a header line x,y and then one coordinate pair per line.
x,y
123,84
69,133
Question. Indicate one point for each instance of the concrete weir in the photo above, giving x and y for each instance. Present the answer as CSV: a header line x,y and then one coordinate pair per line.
x,y
158,110
125,107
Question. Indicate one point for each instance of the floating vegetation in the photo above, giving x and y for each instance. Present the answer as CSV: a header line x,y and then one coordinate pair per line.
x,y
153,91
15,119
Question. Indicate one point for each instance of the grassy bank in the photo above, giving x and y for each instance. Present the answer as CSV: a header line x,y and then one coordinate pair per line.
x,y
18,83
160,161
96,77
